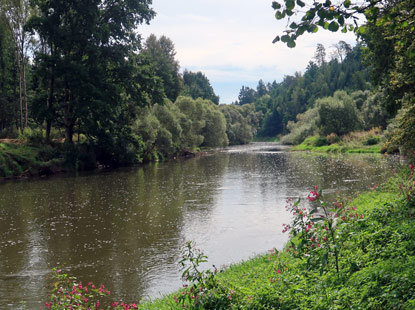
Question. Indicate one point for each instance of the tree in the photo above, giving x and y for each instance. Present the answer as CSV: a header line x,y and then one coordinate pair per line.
x,y
85,62
338,114
261,89
388,33
197,85
162,52
8,78
320,55
17,13
241,122
342,50
246,95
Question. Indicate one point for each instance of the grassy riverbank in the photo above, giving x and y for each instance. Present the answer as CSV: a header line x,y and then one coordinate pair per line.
x,y
376,263
352,143
357,254
21,160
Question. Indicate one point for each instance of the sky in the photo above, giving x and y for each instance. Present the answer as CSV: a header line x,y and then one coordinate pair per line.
x,y
230,41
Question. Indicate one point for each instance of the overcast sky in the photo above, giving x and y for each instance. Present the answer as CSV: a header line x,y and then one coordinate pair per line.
x,y
230,41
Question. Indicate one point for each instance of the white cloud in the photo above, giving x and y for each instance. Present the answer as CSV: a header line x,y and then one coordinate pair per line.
x,y
231,41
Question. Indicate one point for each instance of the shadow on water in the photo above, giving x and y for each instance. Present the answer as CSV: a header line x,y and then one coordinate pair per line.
x,y
125,228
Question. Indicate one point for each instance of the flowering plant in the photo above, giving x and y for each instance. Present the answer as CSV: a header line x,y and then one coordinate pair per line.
x,y
202,289
407,188
314,229
69,293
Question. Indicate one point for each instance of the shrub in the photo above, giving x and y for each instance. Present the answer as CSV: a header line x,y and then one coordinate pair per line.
x,y
338,114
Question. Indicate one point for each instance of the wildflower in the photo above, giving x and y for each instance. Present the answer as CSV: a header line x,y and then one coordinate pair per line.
x,y
313,195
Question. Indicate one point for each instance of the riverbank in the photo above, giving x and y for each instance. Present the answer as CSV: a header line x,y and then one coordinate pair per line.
x,y
19,160
376,259
357,143
360,254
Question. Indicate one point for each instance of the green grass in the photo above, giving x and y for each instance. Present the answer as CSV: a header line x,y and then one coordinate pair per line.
x,y
318,145
377,260
18,160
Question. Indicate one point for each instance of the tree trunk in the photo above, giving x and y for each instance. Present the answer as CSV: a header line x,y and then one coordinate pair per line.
x,y
49,104
24,79
68,119
20,91
69,134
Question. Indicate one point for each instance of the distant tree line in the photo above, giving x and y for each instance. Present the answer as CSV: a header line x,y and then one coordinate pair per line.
x,y
281,102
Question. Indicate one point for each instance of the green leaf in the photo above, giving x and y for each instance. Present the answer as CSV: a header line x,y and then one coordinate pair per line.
x,y
361,29
301,30
322,13
341,20
324,262
344,30
289,4
293,25
276,39
300,3
317,219
279,15
291,44
347,3
285,38
326,25
310,14
313,211
314,29
334,26
276,5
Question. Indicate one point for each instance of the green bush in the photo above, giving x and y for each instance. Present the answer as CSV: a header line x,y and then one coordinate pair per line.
x,y
315,141
372,140
338,114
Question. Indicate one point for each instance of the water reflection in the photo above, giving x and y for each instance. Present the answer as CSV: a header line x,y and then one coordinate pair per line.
x,y
125,228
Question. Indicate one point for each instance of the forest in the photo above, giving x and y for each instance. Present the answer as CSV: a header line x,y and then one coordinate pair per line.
x,y
78,80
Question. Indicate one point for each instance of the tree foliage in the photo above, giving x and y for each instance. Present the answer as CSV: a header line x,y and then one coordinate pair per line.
x,y
83,65
162,54
197,85
338,114
297,93
388,34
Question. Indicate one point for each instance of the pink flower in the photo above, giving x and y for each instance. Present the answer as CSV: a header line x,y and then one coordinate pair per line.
x,y
313,195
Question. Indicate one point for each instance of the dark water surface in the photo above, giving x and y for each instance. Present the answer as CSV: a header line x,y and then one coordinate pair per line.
x,y
125,228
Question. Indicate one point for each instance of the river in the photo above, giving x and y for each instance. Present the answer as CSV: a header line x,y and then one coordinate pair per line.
x,y
125,228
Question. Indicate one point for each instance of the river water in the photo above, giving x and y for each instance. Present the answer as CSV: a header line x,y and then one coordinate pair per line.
x,y
125,228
